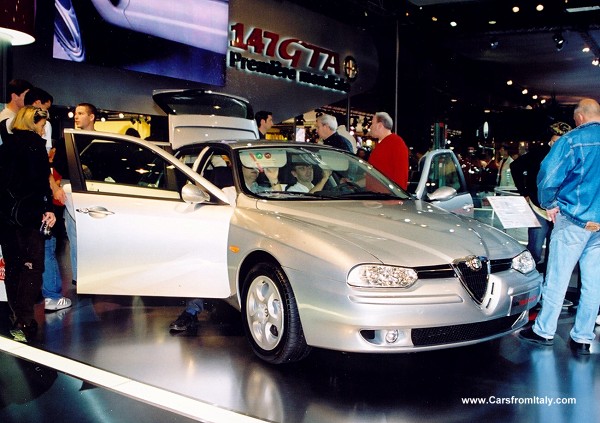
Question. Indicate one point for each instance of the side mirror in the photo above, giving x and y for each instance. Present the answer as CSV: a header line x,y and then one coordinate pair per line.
x,y
442,194
192,194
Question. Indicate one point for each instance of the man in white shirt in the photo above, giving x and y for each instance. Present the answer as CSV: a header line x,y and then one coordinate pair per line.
x,y
504,178
304,174
17,88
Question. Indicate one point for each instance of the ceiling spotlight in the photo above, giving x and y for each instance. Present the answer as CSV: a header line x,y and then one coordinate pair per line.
x,y
539,7
509,82
516,9
525,91
559,41
596,62
494,44
453,24
586,49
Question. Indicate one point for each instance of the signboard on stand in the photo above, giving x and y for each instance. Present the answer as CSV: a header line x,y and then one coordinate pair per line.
x,y
513,212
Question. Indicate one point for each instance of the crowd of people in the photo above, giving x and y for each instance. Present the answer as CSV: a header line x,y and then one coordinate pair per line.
x,y
557,179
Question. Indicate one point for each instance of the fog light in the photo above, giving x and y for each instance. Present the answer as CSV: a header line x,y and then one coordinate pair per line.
x,y
391,336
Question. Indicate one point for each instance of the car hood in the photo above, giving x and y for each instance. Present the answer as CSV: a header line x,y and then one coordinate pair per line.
x,y
401,232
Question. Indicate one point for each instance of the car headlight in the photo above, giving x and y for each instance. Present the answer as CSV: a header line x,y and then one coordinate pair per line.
x,y
524,262
381,276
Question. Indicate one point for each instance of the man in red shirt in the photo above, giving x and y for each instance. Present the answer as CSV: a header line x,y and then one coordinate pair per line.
x,y
390,155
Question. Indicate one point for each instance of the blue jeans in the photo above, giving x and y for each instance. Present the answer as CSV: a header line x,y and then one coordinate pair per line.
x,y
195,306
72,235
536,238
568,244
51,278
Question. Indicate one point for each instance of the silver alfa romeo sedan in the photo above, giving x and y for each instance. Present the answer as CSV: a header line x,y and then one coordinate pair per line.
x,y
314,246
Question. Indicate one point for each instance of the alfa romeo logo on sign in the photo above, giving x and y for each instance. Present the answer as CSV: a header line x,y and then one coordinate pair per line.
x,y
350,68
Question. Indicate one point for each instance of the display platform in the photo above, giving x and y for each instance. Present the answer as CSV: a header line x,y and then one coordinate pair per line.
x,y
152,374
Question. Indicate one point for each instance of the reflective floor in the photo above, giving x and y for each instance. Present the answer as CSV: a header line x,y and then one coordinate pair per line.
x,y
129,337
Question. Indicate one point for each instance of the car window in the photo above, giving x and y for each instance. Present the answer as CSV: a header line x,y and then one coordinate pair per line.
x,y
122,167
443,173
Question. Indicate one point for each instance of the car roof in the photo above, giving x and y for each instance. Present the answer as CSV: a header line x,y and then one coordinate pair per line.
x,y
240,144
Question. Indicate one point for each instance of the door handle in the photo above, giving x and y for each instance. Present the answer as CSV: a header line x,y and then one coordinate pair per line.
x,y
96,211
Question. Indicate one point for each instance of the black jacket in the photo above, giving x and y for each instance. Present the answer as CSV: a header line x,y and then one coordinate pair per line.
x,y
337,141
25,193
525,169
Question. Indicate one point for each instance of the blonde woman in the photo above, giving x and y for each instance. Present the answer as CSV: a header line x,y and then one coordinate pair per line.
x,y
27,208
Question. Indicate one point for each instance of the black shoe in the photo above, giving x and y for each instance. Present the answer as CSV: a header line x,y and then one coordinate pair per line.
x,y
530,336
579,347
185,321
24,332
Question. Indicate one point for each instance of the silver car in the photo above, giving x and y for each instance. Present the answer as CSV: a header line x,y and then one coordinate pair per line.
x,y
313,245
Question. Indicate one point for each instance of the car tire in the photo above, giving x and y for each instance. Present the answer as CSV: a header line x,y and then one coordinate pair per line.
x,y
270,316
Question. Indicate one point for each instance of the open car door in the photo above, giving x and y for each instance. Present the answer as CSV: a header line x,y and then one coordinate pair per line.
x,y
442,182
146,224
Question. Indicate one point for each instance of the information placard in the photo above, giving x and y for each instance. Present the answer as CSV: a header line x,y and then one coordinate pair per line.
x,y
513,212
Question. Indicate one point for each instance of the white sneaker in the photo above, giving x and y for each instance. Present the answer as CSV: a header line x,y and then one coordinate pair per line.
x,y
598,320
53,305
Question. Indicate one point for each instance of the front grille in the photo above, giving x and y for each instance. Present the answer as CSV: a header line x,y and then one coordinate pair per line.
x,y
475,281
500,265
461,333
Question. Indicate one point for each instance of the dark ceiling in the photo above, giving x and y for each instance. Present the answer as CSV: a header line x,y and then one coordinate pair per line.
x,y
472,61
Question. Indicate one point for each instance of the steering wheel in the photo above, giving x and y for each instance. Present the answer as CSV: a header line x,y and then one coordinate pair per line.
x,y
348,186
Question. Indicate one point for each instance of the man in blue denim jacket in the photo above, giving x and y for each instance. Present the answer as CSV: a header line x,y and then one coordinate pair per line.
x,y
569,188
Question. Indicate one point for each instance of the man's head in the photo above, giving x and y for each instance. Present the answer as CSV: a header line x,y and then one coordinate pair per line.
x,y
326,126
503,151
304,173
85,116
587,110
264,121
381,125
17,88
38,98
250,174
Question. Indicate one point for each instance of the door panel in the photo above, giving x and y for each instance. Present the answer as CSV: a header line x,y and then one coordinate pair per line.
x,y
135,235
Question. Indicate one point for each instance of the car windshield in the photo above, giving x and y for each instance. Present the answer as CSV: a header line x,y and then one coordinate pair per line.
x,y
291,172
303,172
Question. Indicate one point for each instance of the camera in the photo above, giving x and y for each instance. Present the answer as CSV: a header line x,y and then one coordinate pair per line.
x,y
45,230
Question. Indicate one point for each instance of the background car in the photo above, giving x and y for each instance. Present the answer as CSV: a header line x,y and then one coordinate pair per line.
x,y
358,265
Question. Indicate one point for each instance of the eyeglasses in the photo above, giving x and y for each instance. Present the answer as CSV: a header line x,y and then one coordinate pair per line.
x,y
40,114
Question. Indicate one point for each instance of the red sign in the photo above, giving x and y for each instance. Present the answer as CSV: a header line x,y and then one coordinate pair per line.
x,y
293,50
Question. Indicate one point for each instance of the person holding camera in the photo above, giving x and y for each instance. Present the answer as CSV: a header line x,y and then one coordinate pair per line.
x,y
26,215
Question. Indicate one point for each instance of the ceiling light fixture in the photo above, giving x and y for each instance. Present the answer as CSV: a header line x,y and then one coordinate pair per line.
x,y
453,24
494,44
596,62
515,9
525,91
585,49
582,9
539,7
559,40
509,82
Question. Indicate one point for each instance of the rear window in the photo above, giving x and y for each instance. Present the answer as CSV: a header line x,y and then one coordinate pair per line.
x,y
195,102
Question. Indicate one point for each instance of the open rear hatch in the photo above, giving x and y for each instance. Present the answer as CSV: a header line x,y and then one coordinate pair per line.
x,y
201,115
